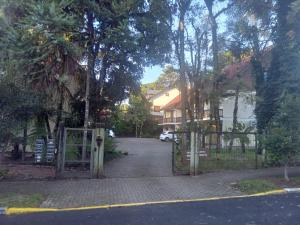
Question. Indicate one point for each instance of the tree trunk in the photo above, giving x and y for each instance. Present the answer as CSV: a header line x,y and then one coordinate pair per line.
x,y
59,113
215,50
286,174
243,147
183,84
259,89
15,153
90,73
48,126
235,120
141,129
136,130
25,136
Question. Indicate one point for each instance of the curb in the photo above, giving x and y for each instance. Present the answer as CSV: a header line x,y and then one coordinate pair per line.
x,y
16,211
291,190
2,211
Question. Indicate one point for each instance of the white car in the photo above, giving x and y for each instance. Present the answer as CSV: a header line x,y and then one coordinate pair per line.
x,y
111,134
167,136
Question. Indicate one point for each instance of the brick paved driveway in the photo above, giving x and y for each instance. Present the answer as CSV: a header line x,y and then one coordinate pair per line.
x,y
142,176
146,158
86,192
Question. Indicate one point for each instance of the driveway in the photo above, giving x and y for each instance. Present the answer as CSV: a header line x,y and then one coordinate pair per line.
x,y
146,158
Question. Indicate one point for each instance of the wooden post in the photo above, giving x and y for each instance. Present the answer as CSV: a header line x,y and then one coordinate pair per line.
x,y
98,155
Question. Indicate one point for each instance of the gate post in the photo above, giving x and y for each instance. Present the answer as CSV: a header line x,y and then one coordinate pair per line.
x,y
197,149
98,154
192,153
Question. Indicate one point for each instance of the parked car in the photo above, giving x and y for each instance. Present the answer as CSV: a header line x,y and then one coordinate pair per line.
x,y
111,134
167,136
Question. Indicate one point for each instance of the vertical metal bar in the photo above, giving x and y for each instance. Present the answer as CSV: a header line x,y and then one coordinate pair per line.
x,y
197,151
101,154
60,146
256,166
64,150
93,146
173,155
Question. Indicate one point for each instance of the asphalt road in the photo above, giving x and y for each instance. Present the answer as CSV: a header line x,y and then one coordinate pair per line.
x,y
146,157
267,210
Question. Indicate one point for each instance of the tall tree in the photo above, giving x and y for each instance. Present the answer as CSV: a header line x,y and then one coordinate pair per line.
x,y
254,21
138,112
214,100
121,38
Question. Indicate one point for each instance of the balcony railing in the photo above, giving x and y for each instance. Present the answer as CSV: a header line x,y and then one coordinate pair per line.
x,y
179,119
207,113
172,120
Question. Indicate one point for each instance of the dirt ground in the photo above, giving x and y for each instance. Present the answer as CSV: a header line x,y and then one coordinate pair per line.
x,y
17,170
280,182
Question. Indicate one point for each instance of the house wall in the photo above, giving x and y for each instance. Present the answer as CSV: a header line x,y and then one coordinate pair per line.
x,y
164,98
177,113
245,113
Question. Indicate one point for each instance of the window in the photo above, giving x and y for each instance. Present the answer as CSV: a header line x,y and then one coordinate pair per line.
x,y
156,108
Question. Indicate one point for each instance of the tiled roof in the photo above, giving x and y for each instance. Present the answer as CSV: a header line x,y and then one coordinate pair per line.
x,y
173,103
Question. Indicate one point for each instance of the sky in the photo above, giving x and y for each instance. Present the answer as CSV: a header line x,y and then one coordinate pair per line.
x,y
151,74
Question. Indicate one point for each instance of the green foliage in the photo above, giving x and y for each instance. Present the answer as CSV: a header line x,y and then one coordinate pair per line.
x,y
110,149
255,186
124,128
168,79
283,140
16,105
241,133
138,112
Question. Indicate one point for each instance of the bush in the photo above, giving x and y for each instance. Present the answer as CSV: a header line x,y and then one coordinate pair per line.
x,y
110,149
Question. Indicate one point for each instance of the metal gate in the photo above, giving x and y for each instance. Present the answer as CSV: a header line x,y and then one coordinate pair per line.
x,y
180,153
77,157
214,151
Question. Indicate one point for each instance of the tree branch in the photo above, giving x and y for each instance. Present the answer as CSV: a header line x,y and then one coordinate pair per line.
x,y
223,10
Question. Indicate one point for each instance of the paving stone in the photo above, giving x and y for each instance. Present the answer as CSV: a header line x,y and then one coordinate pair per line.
x,y
152,183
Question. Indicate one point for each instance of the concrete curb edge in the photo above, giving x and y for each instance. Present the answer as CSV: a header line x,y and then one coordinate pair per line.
x,y
15,211
290,190
2,211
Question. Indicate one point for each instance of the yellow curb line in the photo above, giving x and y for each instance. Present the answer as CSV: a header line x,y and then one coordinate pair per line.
x,y
14,211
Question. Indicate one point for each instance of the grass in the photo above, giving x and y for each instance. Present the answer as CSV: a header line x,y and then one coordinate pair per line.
x,y
297,179
21,200
255,186
3,173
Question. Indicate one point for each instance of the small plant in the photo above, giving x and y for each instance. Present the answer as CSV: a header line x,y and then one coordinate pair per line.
x,y
241,134
255,186
110,149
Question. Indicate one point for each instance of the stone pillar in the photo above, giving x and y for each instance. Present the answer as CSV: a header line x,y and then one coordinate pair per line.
x,y
192,154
